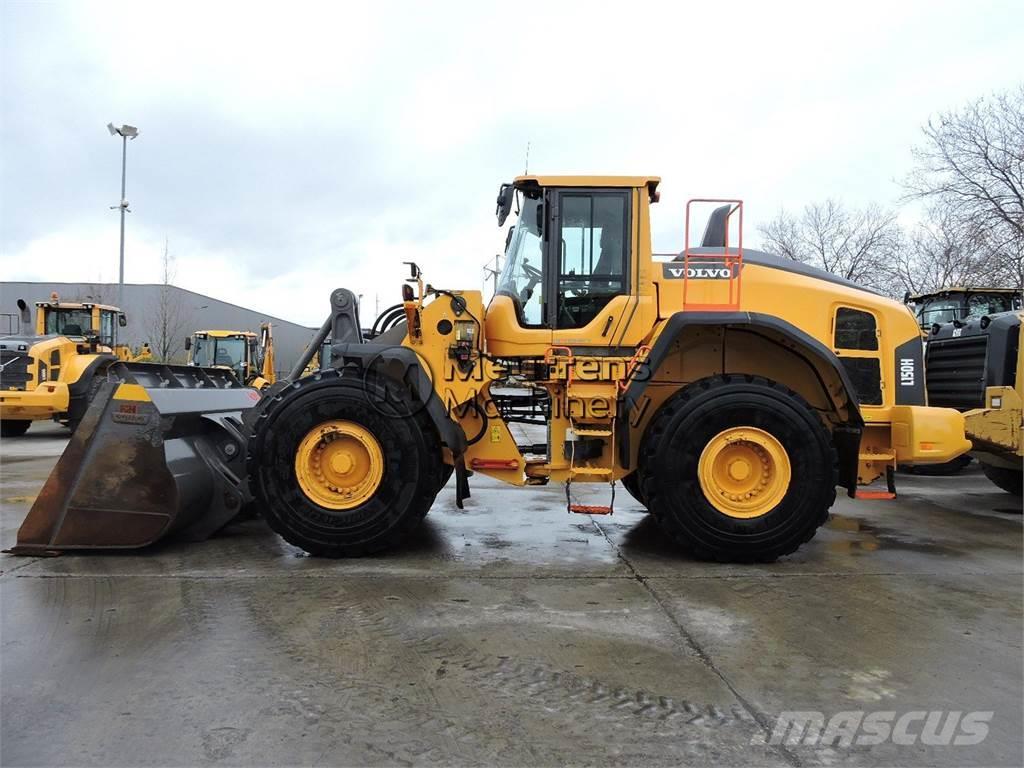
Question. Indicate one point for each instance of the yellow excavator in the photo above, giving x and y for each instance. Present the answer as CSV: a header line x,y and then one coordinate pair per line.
x,y
730,391
52,373
248,355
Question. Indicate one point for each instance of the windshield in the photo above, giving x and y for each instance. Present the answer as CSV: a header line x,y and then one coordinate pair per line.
x,y
981,304
68,322
227,353
940,311
951,308
521,276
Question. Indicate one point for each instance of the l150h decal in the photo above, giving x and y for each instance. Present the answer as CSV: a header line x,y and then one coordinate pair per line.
x,y
909,363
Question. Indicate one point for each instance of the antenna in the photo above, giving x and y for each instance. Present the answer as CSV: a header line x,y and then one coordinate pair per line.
x,y
526,169
494,272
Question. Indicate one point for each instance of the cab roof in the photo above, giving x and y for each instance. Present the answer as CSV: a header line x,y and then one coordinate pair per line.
x,y
960,289
651,182
76,305
226,334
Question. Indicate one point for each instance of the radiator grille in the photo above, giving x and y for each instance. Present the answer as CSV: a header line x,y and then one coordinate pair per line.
x,y
15,369
956,372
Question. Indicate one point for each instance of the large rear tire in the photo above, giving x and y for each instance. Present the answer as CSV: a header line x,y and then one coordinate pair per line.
x,y
1009,480
336,476
738,469
14,427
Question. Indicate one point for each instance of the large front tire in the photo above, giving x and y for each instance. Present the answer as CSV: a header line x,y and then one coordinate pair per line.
x,y
738,469
336,476
14,427
1009,480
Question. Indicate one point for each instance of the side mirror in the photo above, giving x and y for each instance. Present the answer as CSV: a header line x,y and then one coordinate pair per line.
x,y
506,193
540,220
188,343
122,320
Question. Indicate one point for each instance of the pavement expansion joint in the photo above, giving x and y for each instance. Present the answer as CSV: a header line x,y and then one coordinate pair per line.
x,y
691,645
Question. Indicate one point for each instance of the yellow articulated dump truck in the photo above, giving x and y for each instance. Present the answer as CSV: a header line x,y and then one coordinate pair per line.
x,y
730,391
975,365
248,355
51,373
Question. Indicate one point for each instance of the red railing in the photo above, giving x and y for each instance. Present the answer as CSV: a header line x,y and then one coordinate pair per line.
x,y
727,265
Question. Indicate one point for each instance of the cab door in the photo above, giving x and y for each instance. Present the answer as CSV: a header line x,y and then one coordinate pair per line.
x,y
591,269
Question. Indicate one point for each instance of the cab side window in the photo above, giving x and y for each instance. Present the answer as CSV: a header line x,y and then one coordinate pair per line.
x,y
855,330
593,254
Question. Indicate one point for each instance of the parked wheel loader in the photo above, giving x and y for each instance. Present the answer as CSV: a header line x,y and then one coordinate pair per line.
x,y
248,355
731,391
976,366
960,303
52,373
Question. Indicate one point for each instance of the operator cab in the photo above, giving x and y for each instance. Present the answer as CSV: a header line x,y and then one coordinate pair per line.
x,y
79,321
569,271
961,304
220,349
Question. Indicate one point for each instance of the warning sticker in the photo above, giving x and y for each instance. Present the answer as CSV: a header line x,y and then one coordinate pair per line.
x,y
128,413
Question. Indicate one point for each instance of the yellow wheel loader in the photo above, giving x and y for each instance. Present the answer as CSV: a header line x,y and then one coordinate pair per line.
x,y
976,366
52,373
248,355
732,392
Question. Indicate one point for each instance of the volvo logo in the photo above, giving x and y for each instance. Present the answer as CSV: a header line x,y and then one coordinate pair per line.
x,y
697,272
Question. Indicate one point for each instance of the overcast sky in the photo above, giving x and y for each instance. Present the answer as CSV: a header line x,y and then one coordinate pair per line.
x,y
290,148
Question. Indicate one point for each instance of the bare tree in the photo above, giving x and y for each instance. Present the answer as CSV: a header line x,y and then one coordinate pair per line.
x,y
940,252
858,244
971,163
167,323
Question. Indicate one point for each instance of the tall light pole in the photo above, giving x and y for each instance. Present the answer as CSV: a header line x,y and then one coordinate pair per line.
x,y
125,132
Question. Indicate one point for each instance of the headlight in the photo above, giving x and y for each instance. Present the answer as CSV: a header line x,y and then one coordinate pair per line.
x,y
42,371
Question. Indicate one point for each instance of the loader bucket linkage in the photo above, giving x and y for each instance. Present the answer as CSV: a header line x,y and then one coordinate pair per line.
x,y
160,450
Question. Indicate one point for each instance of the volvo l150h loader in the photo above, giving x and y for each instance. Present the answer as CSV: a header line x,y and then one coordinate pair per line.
x,y
731,392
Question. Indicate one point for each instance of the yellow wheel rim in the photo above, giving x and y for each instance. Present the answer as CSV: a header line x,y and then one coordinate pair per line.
x,y
744,472
339,464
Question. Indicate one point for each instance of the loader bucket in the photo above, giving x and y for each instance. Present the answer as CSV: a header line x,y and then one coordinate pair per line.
x,y
159,452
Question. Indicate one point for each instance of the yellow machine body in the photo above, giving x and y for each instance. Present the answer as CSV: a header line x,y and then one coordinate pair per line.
x,y
809,319
997,429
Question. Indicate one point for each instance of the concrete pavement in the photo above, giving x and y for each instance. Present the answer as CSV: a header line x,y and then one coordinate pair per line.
x,y
512,633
